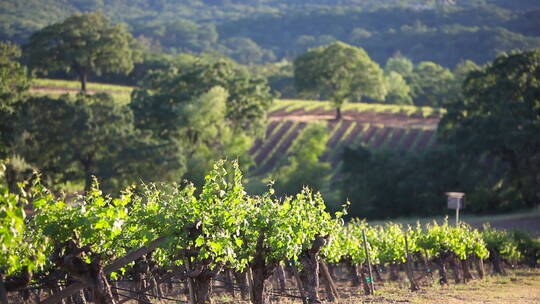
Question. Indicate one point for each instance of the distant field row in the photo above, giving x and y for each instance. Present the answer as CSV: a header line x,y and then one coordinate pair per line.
x,y
294,104
76,85
54,87
281,135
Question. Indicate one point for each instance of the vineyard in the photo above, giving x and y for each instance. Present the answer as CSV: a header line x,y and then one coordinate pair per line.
x,y
377,126
173,243
390,127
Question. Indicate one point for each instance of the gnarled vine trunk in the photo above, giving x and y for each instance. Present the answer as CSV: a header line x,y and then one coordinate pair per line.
x,y
465,266
443,278
202,281
355,273
495,259
281,278
480,267
72,262
242,282
261,271
310,272
456,270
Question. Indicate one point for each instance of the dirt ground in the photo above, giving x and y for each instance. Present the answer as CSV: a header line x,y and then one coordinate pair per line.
x,y
519,287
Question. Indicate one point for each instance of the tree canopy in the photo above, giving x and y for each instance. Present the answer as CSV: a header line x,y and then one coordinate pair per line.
x,y
14,83
83,43
213,109
499,116
90,136
339,72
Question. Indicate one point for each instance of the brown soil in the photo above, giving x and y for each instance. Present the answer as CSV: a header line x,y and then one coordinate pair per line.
x,y
396,120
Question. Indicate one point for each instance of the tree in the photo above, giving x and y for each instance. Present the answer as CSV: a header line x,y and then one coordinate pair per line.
x,y
431,84
339,72
246,51
399,64
82,44
90,135
14,83
398,90
156,103
499,116
212,109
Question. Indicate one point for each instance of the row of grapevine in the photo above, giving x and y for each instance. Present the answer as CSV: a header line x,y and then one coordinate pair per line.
x,y
155,232
281,135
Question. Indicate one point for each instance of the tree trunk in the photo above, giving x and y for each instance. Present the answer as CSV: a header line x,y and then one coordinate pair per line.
x,y
202,286
495,259
356,278
202,277
456,271
394,275
102,289
261,271
365,283
260,275
465,266
443,279
310,272
480,267
79,297
241,280
378,274
280,278
83,78
229,283
332,270
338,113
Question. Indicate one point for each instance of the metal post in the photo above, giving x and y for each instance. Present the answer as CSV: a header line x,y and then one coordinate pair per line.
x,y
457,215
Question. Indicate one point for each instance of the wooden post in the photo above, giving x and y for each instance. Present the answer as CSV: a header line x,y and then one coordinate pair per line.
x,y
368,262
250,283
189,281
410,275
333,292
299,284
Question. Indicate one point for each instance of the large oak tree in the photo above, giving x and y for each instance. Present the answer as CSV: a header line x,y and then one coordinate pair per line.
x,y
83,44
339,72
499,115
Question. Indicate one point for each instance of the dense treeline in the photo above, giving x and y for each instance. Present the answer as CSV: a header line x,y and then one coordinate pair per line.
x,y
487,147
442,31
188,111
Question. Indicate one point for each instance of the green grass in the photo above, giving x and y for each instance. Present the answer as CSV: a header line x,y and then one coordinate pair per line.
x,y
292,104
72,84
55,88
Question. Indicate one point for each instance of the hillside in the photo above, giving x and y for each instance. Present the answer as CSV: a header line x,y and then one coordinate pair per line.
x,y
378,127
258,31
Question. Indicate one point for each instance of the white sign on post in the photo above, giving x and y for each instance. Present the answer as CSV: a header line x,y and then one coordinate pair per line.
x,y
456,201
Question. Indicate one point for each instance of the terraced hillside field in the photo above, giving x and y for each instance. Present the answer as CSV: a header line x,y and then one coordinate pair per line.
x,y
402,128
377,126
